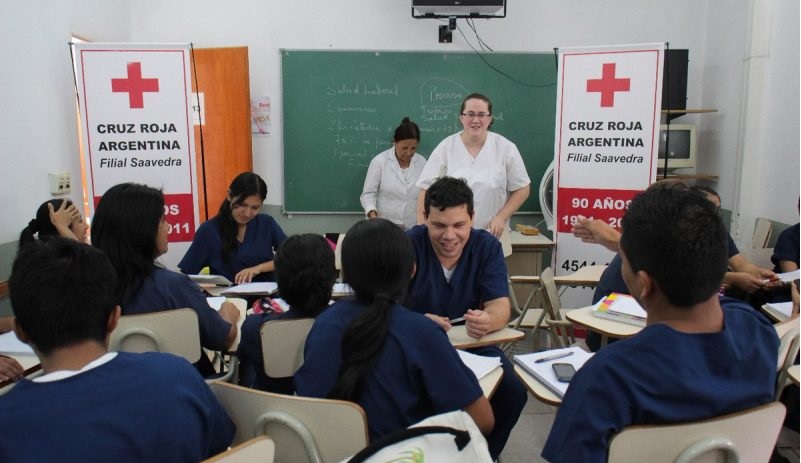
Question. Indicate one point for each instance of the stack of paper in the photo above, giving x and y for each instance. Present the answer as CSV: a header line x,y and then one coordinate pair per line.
x,y
10,344
543,371
216,280
620,308
785,309
341,290
481,366
264,288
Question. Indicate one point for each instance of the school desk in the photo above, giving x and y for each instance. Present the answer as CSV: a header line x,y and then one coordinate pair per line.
x,y
792,373
536,388
460,340
604,327
490,381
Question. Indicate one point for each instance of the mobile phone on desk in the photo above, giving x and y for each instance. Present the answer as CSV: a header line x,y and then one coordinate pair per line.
x,y
564,372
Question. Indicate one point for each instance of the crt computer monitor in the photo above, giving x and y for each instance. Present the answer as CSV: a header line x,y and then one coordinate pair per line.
x,y
680,146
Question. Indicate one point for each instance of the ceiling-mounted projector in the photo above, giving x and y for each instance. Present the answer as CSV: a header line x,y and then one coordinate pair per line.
x,y
459,8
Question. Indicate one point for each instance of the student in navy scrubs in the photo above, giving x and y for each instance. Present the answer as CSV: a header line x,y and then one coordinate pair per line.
x,y
305,273
130,227
397,364
239,242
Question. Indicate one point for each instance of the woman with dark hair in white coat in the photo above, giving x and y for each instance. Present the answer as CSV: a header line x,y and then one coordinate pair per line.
x,y
389,187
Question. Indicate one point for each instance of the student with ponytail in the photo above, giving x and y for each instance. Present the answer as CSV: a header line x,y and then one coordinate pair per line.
x,y
238,243
397,364
305,273
56,217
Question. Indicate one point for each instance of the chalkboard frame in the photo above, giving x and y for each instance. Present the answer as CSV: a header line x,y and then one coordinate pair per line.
x,y
521,85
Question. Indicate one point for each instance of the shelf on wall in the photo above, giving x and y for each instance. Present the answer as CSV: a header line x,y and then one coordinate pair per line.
x,y
688,111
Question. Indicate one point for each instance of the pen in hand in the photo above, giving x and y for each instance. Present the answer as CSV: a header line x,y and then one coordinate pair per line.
x,y
553,357
456,320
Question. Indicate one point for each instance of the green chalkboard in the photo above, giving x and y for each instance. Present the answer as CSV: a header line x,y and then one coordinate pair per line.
x,y
341,109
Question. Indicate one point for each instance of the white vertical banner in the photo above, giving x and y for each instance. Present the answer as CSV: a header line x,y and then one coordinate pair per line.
x,y
136,121
607,126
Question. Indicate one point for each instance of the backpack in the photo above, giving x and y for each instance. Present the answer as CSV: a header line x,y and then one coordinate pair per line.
x,y
451,436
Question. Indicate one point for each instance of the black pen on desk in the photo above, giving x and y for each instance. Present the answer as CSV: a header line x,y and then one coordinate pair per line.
x,y
553,357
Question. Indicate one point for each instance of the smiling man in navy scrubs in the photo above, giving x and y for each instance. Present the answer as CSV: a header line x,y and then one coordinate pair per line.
x,y
461,273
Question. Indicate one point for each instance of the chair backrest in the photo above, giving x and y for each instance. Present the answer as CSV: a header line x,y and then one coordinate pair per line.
x,y
551,294
338,252
303,428
257,450
282,345
746,436
174,331
788,350
561,329
762,232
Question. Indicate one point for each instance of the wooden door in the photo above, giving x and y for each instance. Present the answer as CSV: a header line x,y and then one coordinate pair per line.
x,y
222,75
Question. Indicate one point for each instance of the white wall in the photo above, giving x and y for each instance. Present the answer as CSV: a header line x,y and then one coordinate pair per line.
x,y
37,132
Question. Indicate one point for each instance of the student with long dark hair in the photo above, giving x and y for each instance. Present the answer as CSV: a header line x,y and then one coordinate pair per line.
x,y
238,243
397,364
56,217
305,273
129,226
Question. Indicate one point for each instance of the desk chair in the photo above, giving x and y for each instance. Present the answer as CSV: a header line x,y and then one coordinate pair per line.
x,y
747,436
303,428
257,450
338,254
282,345
560,328
788,349
174,331
763,229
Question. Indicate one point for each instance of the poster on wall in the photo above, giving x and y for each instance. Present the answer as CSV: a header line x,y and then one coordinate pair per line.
x,y
607,126
136,121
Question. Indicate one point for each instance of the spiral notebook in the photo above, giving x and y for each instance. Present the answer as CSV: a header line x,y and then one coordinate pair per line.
x,y
620,308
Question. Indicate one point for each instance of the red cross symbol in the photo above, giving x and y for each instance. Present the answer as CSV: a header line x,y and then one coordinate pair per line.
x,y
607,85
135,85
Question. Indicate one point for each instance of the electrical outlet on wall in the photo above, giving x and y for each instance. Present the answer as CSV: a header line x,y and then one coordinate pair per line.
x,y
60,182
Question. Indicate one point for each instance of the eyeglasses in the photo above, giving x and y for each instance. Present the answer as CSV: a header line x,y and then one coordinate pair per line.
x,y
471,115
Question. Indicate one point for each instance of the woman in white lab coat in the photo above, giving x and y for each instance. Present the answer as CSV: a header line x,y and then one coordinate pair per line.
x,y
389,187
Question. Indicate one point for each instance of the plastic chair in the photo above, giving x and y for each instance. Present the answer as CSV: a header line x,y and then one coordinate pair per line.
x,y
560,328
303,428
174,331
747,436
282,345
257,450
788,349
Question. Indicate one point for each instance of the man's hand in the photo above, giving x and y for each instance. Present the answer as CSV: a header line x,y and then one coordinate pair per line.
x,y
477,323
10,369
745,281
443,322
597,232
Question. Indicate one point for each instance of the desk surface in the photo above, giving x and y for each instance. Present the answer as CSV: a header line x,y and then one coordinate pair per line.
x,y
30,363
585,317
792,373
490,381
585,276
536,388
521,241
460,340
774,315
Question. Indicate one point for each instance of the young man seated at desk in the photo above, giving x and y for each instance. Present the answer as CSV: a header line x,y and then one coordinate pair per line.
x,y
461,272
698,357
743,275
91,405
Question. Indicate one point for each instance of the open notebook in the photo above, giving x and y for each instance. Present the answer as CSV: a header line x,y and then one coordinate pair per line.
x,y
543,371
